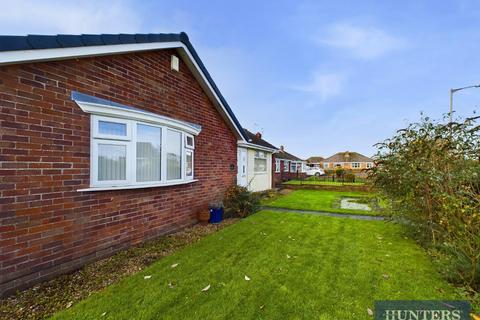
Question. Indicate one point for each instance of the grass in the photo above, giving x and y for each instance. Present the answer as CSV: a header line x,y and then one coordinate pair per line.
x,y
42,300
300,267
321,200
323,183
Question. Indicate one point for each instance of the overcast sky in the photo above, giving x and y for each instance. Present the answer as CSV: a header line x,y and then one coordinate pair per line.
x,y
316,76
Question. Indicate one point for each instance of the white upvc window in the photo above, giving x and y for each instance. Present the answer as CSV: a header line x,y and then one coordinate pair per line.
x,y
369,165
325,165
355,165
293,167
131,148
133,153
260,161
277,165
286,166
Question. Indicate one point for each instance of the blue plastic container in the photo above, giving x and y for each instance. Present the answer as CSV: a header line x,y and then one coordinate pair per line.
x,y
216,215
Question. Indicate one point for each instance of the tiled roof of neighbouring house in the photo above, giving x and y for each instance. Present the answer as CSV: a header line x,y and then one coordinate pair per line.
x,y
315,159
253,138
282,154
64,41
348,156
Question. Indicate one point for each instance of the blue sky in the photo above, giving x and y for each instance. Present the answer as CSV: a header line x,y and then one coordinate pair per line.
x,y
316,76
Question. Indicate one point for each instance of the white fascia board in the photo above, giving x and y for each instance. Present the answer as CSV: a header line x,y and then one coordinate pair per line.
x,y
36,55
248,145
138,115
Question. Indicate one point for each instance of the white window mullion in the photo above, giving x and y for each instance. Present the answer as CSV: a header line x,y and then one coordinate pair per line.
x,y
182,160
132,159
163,160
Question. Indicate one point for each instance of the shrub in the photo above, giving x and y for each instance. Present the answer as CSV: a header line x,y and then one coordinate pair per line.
x,y
349,177
431,172
339,172
239,202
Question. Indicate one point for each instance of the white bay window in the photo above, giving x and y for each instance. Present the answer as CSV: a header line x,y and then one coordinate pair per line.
x,y
132,148
128,152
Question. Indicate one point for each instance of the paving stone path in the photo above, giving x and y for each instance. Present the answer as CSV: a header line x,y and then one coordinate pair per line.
x,y
323,213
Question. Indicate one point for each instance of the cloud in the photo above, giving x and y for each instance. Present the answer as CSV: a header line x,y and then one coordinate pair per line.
x,y
323,85
50,17
361,42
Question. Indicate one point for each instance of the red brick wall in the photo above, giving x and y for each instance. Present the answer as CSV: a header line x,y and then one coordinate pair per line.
x,y
46,226
282,176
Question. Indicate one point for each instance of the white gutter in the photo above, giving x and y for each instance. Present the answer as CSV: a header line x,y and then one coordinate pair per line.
x,y
249,145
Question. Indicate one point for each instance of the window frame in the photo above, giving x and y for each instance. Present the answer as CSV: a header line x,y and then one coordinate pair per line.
x,y
293,164
96,130
130,142
286,166
94,167
264,157
278,165
193,164
355,165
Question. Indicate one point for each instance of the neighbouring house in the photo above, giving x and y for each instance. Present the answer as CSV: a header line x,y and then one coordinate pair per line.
x,y
286,167
348,160
315,162
106,141
255,162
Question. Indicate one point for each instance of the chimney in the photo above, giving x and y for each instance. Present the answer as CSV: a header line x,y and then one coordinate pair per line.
x,y
281,148
258,135
347,156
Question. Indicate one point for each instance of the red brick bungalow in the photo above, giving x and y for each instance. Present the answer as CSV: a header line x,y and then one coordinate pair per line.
x,y
105,141
286,167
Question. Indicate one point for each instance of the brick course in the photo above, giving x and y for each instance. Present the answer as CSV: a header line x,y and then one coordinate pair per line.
x,y
46,226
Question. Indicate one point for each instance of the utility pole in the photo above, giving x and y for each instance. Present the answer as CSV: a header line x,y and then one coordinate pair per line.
x,y
452,91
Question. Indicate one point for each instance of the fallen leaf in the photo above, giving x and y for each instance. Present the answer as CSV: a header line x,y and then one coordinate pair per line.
x,y
288,257
370,312
103,314
262,306
206,288
170,285
247,278
475,317
174,265
69,304
147,277
386,276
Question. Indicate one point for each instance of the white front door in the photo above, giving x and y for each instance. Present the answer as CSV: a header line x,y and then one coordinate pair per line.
x,y
242,167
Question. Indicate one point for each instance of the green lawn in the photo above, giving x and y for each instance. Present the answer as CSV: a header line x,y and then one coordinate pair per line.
x,y
323,183
299,266
319,200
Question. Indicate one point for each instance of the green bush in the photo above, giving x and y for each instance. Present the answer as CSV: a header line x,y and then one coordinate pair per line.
x,y
339,172
431,173
349,177
239,202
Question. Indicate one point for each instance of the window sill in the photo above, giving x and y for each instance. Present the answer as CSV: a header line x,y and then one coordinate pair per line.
x,y
139,186
260,172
